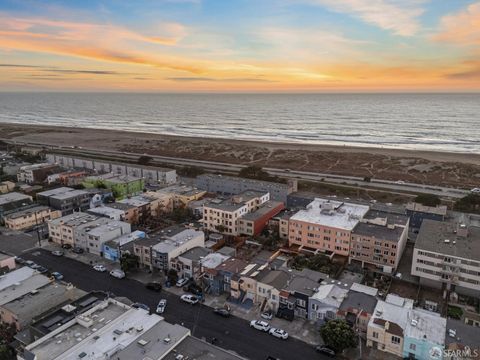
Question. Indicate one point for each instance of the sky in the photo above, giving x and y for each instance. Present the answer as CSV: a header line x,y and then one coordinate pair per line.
x,y
240,45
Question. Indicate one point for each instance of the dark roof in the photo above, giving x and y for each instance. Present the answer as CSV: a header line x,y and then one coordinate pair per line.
x,y
392,218
359,301
393,328
120,206
378,231
466,335
148,242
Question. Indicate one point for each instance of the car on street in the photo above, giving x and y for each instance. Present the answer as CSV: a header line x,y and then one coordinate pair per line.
x,y
57,253
191,299
267,315
475,191
162,304
41,269
66,246
182,282
279,333
77,250
138,305
19,260
260,325
117,273
400,182
56,275
99,268
155,286
221,312
323,349
30,263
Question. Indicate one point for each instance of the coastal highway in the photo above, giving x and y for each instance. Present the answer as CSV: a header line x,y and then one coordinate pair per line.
x,y
352,181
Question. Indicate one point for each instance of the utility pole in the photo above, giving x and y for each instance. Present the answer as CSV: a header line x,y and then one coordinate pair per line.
x,y
358,332
36,227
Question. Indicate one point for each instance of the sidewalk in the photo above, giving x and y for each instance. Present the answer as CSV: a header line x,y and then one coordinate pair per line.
x,y
86,258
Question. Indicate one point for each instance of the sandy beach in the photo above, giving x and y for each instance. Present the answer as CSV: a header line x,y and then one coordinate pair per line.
x,y
430,167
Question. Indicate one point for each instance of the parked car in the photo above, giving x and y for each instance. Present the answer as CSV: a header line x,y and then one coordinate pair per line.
x,y
57,276
279,333
191,299
30,263
260,325
323,349
41,269
155,286
182,282
100,268
77,250
57,253
193,288
66,246
138,305
20,260
117,273
162,304
267,315
475,190
221,312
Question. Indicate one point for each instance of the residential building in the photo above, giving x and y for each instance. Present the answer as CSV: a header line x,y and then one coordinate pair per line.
x,y
116,326
7,262
379,239
224,216
21,311
174,244
6,186
229,185
447,256
325,226
418,212
113,249
461,340
326,301
221,279
183,195
12,201
269,283
189,264
386,328
36,173
92,236
142,248
120,185
358,306
67,178
65,199
424,335
62,230
30,217
280,223
151,174
108,212
295,296
254,222
149,205
130,212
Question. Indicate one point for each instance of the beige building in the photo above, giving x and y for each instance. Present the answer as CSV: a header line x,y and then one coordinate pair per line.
x,y
149,205
7,261
223,216
62,230
28,218
379,239
6,186
183,195
325,226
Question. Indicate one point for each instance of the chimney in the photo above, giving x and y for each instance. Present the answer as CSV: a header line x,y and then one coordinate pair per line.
x,y
387,325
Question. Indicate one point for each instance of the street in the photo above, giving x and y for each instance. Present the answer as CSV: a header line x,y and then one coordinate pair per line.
x,y
231,333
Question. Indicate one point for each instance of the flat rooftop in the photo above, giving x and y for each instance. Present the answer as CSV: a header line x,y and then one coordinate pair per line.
x,y
97,333
423,323
106,211
32,210
432,236
136,201
21,287
174,241
331,213
253,182
106,228
12,197
75,219
69,194
264,209
196,254
378,231
193,348
390,218
466,335
115,178
236,201
56,191
120,206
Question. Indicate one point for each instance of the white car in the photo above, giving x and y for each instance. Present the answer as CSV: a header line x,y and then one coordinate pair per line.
x,y
100,268
475,191
162,304
117,273
400,182
182,282
267,315
191,299
279,333
260,325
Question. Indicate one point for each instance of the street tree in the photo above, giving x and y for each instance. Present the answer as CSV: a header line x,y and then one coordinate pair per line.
x,y
338,335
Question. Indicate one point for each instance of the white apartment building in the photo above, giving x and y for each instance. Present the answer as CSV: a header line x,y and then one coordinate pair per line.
x,y
447,256
62,230
96,235
223,216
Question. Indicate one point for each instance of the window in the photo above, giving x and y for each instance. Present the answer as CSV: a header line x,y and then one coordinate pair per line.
x,y
413,347
395,340
375,335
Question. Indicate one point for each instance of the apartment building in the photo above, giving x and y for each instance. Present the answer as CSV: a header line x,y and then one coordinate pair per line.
x,y
142,248
229,185
6,186
183,195
62,230
149,205
254,222
108,212
129,212
11,201
112,249
30,217
36,173
379,239
67,178
189,264
65,199
224,216
93,235
418,212
447,256
280,222
120,185
325,226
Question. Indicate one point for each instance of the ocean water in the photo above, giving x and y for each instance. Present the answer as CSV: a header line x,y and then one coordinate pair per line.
x,y
441,122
